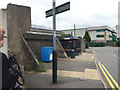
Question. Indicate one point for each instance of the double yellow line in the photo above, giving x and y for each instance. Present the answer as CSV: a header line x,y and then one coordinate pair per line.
x,y
106,74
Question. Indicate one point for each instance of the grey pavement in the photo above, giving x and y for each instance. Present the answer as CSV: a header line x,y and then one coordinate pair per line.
x,y
80,72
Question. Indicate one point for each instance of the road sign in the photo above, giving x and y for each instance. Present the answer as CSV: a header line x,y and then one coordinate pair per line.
x,y
62,8
53,12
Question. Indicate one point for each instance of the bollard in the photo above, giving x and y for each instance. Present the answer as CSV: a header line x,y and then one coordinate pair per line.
x,y
73,53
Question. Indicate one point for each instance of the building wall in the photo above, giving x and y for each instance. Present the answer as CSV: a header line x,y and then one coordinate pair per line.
x,y
100,38
36,42
80,33
18,22
108,33
3,23
94,34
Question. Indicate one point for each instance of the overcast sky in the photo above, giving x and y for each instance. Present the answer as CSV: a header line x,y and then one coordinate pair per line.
x,y
82,13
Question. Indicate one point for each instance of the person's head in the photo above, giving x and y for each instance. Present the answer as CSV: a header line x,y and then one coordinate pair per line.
x,y
2,32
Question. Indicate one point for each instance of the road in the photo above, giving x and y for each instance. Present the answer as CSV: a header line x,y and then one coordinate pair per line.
x,y
107,59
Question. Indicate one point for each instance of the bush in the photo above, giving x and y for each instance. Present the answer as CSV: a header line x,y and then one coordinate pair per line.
x,y
97,44
118,43
40,68
92,44
35,67
66,35
118,38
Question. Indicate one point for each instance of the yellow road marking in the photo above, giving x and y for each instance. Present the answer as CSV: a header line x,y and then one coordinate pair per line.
x,y
106,76
111,78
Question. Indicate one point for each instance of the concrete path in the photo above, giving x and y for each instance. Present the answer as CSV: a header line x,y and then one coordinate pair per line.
x,y
80,72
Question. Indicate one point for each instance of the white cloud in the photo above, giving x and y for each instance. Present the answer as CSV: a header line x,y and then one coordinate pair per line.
x,y
83,13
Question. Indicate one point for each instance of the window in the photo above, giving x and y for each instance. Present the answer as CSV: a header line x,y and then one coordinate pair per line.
x,y
100,36
100,30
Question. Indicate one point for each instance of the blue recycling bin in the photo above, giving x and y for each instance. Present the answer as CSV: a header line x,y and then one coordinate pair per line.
x,y
47,54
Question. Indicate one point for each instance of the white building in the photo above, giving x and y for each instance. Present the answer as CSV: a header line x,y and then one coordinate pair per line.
x,y
98,34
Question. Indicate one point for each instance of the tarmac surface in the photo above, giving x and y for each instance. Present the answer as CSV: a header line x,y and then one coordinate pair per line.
x,y
80,72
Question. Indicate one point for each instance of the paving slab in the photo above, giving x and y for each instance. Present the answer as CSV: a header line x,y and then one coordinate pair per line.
x,y
80,72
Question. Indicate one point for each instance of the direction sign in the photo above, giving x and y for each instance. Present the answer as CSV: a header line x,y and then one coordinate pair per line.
x,y
62,8
53,12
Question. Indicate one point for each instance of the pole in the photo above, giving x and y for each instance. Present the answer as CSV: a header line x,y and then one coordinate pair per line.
x,y
73,51
74,30
54,64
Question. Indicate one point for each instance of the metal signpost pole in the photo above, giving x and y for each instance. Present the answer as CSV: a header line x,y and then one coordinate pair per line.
x,y
74,31
73,51
54,65
52,12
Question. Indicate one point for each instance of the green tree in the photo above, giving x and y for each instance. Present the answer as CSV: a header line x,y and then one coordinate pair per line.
x,y
87,37
114,37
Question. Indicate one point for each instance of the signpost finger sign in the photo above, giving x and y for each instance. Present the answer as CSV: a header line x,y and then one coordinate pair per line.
x,y
53,12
